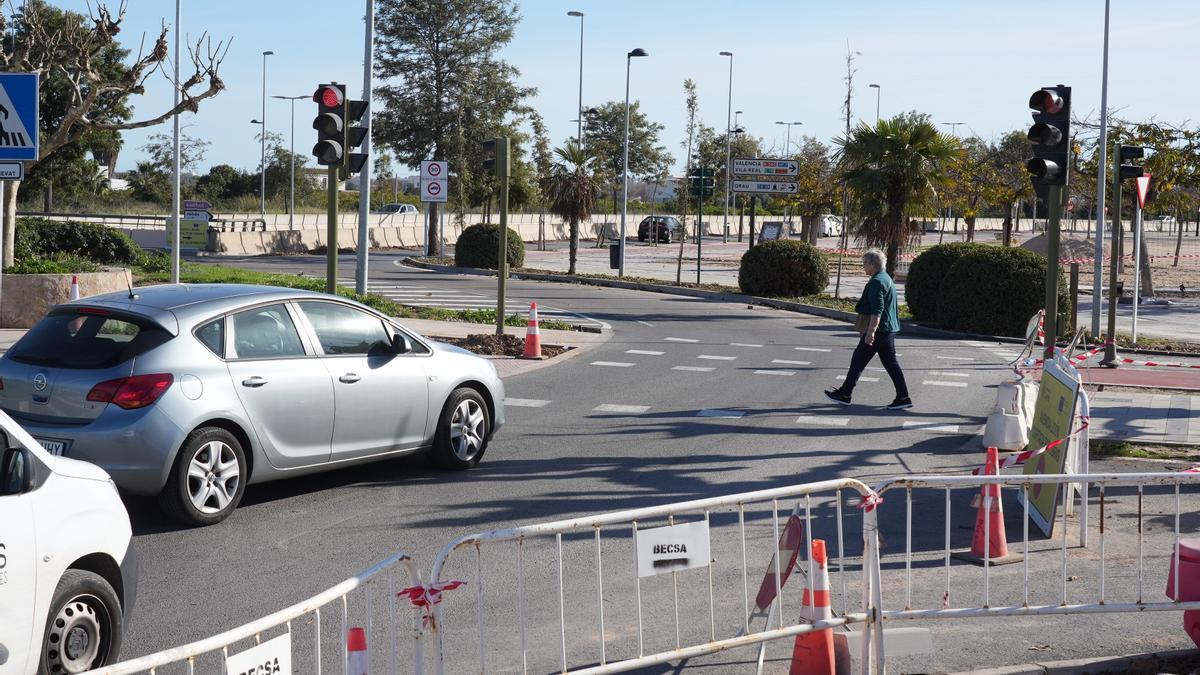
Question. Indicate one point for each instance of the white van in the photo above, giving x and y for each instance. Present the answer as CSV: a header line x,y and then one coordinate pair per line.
x,y
831,225
68,576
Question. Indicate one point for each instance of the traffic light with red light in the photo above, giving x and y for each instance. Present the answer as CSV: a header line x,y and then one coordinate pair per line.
x,y
1050,136
330,124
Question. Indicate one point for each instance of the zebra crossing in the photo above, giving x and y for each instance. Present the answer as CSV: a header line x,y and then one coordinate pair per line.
x,y
429,296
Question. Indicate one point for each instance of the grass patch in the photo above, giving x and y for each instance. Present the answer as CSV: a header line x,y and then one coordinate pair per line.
x,y
1110,449
216,274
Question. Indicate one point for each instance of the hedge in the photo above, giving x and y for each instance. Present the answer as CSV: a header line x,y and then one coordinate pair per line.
x,y
479,244
925,276
43,238
994,291
783,268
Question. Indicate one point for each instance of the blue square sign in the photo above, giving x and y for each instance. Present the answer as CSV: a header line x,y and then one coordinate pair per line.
x,y
18,116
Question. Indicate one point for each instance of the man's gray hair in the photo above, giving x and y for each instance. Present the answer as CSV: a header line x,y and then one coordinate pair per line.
x,y
875,258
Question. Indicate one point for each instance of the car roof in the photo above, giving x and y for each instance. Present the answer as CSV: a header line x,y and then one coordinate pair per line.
x,y
172,304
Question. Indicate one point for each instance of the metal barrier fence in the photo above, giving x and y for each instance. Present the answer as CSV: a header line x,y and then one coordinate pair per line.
x,y
367,599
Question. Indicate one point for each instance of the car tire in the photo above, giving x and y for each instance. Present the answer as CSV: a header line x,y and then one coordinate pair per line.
x,y
84,626
208,479
463,430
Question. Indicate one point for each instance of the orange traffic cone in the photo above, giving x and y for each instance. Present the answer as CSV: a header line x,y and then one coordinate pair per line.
x,y
813,652
989,540
74,287
357,660
533,337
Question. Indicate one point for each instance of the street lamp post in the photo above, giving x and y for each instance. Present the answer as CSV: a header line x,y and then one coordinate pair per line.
x,y
954,127
728,150
262,166
788,144
174,234
878,92
625,162
292,152
579,133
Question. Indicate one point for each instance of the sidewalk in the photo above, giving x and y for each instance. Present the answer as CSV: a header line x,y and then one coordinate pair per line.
x,y
1160,419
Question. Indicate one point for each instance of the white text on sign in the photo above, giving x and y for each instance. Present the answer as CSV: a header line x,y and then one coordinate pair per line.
x,y
764,186
765,167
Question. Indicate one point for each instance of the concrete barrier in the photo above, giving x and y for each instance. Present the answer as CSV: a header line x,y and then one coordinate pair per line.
x,y
27,297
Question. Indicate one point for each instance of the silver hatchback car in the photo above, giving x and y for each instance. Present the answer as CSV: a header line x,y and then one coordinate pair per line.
x,y
192,392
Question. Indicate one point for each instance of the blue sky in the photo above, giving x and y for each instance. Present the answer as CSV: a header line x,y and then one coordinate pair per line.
x,y
973,62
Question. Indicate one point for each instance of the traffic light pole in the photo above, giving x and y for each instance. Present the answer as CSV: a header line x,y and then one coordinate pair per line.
x,y
331,237
700,226
1114,297
1054,196
502,254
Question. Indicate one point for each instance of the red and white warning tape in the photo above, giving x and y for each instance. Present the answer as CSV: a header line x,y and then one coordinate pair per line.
x,y
1078,358
1022,457
427,595
1157,364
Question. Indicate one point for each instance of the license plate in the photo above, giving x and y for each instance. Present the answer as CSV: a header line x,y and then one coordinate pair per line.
x,y
53,447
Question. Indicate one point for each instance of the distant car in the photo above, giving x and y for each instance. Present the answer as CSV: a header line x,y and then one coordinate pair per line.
x,y
397,209
191,392
831,226
68,575
666,228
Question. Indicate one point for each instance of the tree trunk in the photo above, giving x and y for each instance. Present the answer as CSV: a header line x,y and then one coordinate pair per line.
x,y
10,220
1008,225
574,247
810,228
1178,243
893,251
970,220
48,199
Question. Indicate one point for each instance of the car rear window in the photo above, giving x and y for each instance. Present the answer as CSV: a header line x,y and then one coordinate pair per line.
x,y
70,338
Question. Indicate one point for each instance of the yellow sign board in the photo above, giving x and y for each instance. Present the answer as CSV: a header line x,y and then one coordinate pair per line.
x,y
1052,419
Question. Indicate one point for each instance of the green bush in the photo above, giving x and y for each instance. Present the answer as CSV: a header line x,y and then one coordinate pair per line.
x,y
925,276
783,268
994,290
63,263
155,261
478,245
43,238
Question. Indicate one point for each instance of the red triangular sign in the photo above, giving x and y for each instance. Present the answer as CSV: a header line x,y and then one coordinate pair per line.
x,y
1143,186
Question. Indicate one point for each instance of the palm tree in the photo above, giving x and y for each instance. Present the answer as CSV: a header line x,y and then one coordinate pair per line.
x,y
895,168
574,190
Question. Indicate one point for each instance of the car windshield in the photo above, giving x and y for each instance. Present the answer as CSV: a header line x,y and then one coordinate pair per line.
x,y
87,339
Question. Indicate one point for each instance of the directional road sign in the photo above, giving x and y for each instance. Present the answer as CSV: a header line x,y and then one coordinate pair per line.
x,y
764,186
743,166
19,116
12,171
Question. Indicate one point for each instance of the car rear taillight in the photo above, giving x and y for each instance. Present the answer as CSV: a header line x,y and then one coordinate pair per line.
x,y
133,392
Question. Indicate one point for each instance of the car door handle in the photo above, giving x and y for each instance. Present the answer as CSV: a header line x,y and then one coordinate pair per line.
x,y
255,381
349,378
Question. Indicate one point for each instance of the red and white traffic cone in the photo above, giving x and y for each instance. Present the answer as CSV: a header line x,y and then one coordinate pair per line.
x,y
533,337
74,287
813,652
357,658
990,541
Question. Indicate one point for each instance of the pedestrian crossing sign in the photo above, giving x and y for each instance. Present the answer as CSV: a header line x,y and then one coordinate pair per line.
x,y
19,116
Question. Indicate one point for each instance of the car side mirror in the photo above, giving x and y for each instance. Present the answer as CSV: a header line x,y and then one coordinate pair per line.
x,y
400,344
15,476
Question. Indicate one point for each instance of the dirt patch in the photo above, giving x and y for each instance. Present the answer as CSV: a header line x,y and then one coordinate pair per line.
x,y
499,345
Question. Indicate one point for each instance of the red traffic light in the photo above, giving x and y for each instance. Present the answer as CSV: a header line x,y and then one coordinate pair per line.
x,y
328,96
1046,101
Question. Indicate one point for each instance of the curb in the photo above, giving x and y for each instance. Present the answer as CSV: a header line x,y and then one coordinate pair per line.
x,y
1152,662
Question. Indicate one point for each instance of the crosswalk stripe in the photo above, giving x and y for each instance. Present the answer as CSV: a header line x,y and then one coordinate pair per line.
x,y
932,426
614,364
743,344
647,352
823,420
956,358
791,363
694,369
943,383
711,357
861,379
525,402
675,339
812,349
785,373
943,373
618,408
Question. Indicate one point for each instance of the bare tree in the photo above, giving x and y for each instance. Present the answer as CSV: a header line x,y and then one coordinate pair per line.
x,y
67,45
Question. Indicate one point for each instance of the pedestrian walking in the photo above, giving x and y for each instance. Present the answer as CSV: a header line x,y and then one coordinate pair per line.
x,y
877,324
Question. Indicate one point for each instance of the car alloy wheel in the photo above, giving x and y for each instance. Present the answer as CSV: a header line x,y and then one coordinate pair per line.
x,y
214,476
468,426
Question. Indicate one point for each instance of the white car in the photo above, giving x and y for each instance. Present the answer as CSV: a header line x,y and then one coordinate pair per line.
x,y
68,576
398,209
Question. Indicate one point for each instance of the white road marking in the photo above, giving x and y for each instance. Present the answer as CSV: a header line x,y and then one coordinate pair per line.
x,y
673,339
813,349
712,412
694,369
932,426
943,373
792,363
785,373
823,420
861,379
710,357
956,358
614,364
618,408
646,323
742,344
647,352
525,402
976,343
942,383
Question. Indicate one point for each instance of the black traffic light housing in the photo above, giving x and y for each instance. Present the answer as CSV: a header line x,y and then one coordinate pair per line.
x,y
701,182
489,156
330,124
1050,136
356,134
1127,152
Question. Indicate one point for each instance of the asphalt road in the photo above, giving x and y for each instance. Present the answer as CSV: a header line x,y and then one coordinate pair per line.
x,y
688,399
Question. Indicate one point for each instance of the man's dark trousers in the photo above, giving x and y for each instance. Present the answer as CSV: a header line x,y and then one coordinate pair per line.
x,y
885,347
